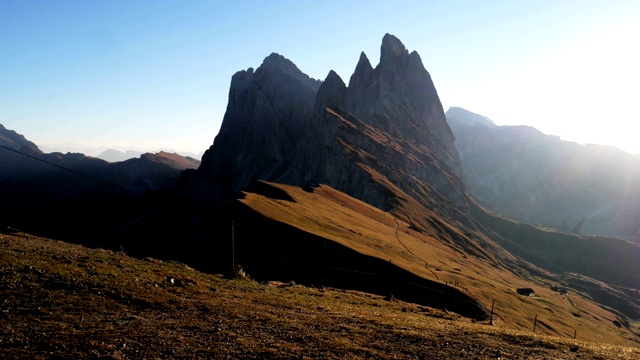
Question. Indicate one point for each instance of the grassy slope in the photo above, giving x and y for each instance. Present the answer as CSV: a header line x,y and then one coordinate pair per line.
x,y
333,215
67,301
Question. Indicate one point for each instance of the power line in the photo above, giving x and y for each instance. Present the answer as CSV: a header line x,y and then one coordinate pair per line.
x,y
67,169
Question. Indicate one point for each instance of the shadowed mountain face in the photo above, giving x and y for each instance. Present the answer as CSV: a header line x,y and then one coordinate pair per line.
x,y
387,126
542,180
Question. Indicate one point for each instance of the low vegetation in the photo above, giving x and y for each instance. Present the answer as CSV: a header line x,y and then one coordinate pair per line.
x,y
491,275
66,301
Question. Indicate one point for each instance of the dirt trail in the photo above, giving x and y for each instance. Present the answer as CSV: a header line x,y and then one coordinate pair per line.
x,y
426,264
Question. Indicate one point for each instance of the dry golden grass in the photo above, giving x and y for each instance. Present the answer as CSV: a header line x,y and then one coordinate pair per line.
x,y
67,301
333,215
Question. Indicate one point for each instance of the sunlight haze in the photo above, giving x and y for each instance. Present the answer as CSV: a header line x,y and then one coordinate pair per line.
x,y
82,75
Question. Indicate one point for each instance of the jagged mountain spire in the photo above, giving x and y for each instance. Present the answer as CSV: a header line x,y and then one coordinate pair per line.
x,y
283,126
331,93
392,52
400,88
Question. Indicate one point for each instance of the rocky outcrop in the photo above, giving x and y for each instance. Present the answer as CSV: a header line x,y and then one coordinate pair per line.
x,y
331,94
267,114
399,97
381,138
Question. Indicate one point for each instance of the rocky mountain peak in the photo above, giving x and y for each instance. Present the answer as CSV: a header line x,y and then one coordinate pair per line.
x,y
283,126
278,64
459,116
331,92
269,112
392,52
276,61
241,80
399,97
363,73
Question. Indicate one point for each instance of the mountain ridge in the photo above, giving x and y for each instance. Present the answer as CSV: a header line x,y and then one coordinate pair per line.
x,y
70,193
543,180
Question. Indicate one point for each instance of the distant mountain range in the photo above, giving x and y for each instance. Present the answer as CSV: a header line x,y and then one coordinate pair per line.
x,y
65,190
540,179
113,155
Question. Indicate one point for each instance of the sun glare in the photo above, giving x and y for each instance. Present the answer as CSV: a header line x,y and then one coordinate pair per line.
x,y
586,93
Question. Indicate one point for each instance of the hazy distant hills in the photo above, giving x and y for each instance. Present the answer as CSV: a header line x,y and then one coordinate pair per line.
x,y
67,192
28,165
149,171
524,174
113,155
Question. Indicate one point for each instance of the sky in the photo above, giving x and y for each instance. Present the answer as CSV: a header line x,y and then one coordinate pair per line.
x,y
84,76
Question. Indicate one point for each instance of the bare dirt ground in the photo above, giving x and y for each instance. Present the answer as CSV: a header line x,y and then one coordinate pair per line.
x,y
65,301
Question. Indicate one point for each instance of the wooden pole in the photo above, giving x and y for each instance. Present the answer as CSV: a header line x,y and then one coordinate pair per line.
x,y
575,333
535,322
492,303
233,247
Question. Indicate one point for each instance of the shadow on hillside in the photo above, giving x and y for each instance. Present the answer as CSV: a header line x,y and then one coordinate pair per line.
x,y
268,250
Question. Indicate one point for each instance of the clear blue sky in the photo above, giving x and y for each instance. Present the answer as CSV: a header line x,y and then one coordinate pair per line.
x,y
155,74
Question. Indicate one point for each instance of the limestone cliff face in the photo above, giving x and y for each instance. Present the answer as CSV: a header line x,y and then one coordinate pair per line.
x,y
380,139
266,116
399,100
399,97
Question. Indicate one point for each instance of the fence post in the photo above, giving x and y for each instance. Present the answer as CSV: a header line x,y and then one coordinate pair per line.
x,y
492,303
535,322
233,247
575,334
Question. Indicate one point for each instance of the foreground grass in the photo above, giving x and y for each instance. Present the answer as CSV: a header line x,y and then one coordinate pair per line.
x,y
66,301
